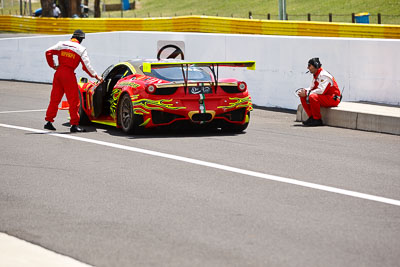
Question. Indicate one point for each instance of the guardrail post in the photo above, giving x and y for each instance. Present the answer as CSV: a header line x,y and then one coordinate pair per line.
x,y
250,15
330,17
379,18
268,16
353,18
309,17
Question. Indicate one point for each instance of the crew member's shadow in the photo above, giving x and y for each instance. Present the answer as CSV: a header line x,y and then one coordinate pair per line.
x,y
298,124
88,128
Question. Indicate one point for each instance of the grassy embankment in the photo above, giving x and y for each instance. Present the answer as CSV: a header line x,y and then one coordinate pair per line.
x,y
296,10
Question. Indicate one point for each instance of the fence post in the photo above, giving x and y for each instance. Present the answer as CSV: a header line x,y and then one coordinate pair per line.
x,y
353,18
330,17
309,17
379,18
282,9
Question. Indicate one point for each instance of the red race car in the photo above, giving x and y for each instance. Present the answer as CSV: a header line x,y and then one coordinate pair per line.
x,y
141,94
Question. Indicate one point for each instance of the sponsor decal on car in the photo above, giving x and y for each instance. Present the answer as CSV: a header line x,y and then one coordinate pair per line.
x,y
129,83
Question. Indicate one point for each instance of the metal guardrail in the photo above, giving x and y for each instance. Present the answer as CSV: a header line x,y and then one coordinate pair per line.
x,y
378,17
203,24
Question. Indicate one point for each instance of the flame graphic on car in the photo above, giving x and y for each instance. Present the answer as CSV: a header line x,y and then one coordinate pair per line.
x,y
115,94
140,106
239,103
144,105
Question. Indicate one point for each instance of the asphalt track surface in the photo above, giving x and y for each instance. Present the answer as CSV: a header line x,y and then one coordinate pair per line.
x,y
262,198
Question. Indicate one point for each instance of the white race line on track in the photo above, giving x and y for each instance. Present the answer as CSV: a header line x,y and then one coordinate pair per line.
x,y
217,166
20,111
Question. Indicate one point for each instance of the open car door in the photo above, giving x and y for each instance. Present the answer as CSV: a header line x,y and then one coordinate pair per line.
x,y
111,76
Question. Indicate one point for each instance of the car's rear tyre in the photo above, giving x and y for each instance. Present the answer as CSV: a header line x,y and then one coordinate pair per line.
x,y
129,121
83,117
236,128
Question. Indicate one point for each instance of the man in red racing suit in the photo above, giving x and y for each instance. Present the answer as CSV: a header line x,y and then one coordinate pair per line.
x,y
323,91
70,54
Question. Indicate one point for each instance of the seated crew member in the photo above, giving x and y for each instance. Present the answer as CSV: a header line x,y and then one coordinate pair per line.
x,y
323,92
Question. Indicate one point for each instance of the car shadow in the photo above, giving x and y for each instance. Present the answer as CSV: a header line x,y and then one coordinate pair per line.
x,y
162,132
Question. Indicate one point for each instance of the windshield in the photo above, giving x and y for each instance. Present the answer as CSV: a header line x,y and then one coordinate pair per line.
x,y
175,74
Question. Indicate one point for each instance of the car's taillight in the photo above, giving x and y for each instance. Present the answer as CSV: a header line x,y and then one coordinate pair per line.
x,y
151,88
242,86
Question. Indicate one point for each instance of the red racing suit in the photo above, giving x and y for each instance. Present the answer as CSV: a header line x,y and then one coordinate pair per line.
x,y
323,91
70,54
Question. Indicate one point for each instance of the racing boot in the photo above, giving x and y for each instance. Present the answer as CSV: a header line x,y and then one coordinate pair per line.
x,y
314,123
76,129
49,126
306,122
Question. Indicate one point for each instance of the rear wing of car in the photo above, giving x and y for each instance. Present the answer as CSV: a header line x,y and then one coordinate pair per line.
x,y
147,66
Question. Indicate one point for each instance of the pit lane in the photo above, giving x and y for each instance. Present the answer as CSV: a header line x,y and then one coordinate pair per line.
x,y
82,199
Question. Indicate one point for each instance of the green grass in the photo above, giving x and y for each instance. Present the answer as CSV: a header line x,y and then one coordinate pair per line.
x,y
11,7
296,9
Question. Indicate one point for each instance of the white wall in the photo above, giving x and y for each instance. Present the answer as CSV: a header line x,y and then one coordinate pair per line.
x,y
367,68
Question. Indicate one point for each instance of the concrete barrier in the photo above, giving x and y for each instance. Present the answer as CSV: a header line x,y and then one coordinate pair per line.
x,y
367,68
359,116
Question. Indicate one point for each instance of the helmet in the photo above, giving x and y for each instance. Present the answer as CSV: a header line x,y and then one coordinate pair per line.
x,y
315,62
78,34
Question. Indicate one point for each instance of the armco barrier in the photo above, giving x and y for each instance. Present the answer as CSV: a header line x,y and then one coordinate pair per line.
x,y
203,24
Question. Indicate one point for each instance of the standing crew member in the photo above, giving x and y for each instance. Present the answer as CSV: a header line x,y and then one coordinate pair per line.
x,y
323,91
56,11
70,54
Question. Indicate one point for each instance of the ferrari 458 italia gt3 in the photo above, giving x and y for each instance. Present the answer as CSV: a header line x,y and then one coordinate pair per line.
x,y
141,94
